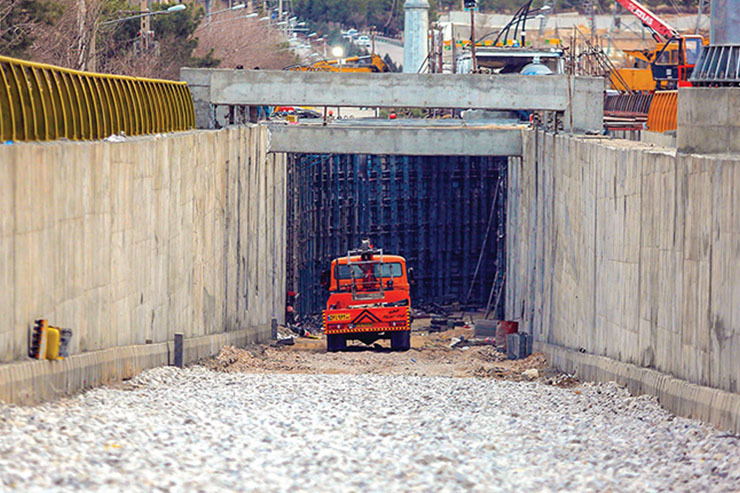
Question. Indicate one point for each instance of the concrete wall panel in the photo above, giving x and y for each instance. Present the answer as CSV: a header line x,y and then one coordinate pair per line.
x,y
127,243
628,251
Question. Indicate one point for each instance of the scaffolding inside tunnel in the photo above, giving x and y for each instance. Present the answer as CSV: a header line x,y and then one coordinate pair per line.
x,y
444,214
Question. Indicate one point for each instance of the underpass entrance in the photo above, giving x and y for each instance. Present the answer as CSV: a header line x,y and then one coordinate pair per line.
x,y
444,214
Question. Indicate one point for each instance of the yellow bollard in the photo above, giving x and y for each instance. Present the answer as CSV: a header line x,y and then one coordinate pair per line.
x,y
52,343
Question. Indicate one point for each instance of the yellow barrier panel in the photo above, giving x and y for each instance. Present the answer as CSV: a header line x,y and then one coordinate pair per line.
x,y
44,102
663,111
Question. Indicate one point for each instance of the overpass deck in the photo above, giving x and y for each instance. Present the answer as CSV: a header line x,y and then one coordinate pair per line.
x,y
405,137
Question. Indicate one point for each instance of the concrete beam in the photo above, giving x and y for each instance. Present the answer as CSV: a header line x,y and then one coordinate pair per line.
x,y
488,140
266,87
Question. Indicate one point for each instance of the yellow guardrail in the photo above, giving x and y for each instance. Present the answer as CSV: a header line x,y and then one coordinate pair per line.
x,y
44,102
663,111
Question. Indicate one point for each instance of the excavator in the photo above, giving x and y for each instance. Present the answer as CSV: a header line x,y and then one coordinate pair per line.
x,y
367,63
670,63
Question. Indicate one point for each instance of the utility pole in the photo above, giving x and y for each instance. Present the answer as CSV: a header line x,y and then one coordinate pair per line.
x,y
593,22
145,25
698,15
471,5
440,54
472,39
453,43
611,29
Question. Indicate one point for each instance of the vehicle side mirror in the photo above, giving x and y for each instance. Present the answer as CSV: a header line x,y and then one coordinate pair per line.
x,y
324,279
410,275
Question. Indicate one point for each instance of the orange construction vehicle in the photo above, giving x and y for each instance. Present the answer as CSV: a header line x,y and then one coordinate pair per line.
x,y
671,63
369,299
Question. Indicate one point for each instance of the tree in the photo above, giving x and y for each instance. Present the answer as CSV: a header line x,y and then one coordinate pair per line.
x,y
19,20
87,36
235,41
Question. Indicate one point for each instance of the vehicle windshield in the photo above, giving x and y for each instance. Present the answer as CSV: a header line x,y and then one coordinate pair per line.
x,y
359,271
693,50
669,55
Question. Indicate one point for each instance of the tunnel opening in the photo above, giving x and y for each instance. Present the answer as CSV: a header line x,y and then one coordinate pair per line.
x,y
445,214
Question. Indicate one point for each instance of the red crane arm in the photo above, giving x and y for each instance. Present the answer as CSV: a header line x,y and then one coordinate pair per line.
x,y
652,21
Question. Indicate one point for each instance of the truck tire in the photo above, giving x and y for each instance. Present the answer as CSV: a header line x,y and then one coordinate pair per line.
x,y
401,340
336,342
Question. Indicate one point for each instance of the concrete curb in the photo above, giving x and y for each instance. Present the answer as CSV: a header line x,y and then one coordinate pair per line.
x,y
31,382
715,406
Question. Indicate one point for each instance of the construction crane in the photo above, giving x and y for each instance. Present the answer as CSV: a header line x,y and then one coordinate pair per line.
x,y
368,63
673,60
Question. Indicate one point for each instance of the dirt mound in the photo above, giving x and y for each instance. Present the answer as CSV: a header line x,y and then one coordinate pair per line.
x,y
450,353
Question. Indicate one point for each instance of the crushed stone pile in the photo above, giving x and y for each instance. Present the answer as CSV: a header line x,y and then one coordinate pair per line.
x,y
202,430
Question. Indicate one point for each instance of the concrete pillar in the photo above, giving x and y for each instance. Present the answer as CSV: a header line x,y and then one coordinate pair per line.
x,y
725,21
415,43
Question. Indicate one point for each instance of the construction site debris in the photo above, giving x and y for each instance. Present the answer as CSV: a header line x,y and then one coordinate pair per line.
x,y
562,380
432,354
485,328
518,345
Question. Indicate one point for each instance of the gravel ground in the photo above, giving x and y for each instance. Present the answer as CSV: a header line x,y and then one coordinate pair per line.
x,y
203,430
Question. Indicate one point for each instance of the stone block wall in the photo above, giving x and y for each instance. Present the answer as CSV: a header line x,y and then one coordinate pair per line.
x,y
628,251
129,242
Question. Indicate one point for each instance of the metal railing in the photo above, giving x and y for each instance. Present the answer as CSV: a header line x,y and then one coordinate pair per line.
x,y
718,66
663,111
390,41
44,102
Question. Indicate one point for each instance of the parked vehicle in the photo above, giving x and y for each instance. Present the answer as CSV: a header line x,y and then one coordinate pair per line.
x,y
369,299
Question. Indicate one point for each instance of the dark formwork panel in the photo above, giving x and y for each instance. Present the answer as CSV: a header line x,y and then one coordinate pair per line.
x,y
434,211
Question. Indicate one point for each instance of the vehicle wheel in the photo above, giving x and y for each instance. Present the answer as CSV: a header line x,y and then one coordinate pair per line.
x,y
336,342
401,340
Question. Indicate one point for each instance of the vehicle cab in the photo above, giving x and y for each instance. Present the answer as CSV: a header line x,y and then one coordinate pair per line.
x,y
368,278
369,299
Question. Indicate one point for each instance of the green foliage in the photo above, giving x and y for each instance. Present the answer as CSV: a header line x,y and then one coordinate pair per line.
x,y
205,61
387,15
384,15
174,32
17,20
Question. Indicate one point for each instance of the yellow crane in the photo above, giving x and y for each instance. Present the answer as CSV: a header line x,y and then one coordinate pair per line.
x,y
367,63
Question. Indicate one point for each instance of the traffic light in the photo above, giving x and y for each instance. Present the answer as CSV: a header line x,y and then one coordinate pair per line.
x,y
470,4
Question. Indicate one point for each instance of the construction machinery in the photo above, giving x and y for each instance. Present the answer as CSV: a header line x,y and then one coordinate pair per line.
x,y
369,299
367,63
670,63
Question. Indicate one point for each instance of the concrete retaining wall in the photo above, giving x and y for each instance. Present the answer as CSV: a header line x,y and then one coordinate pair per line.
x,y
628,251
127,243
709,120
31,381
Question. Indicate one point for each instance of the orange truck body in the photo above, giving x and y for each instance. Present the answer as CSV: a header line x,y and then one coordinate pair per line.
x,y
369,300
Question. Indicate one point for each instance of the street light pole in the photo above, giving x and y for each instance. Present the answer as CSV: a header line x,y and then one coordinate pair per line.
x,y
144,25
